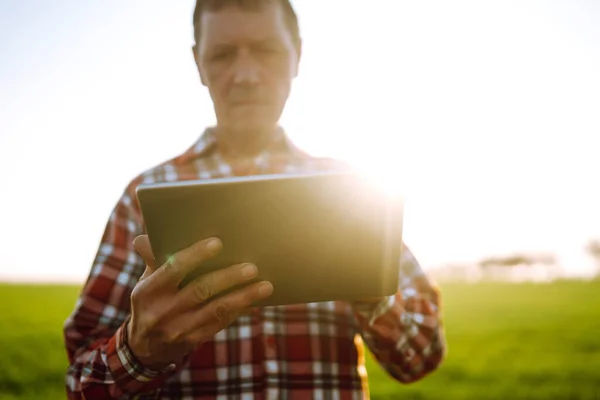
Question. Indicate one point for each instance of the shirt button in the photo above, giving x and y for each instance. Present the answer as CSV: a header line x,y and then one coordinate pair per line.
x,y
271,341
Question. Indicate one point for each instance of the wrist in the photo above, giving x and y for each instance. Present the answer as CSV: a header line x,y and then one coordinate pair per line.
x,y
142,359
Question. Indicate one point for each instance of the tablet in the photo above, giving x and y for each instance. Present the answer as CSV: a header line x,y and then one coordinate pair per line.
x,y
315,236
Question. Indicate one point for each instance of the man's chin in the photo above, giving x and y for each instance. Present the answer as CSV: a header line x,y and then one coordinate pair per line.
x,y
251,118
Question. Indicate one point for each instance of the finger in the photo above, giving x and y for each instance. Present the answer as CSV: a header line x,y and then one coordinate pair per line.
x,y
141,244
220,312
185,261
200,335
183,334
147,272
207,286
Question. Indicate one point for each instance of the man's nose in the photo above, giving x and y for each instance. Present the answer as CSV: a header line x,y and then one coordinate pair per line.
x,y
246,69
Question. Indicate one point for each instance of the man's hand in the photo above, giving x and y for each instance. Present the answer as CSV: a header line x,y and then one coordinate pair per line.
x,y
166,322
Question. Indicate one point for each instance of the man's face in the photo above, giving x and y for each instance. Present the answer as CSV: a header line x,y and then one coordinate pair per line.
x,y
247,59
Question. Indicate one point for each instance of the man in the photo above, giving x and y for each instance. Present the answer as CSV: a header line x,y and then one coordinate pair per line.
x,y
134,334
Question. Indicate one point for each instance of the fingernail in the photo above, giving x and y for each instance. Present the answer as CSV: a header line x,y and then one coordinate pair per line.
x,y
265,289
249,271
213,245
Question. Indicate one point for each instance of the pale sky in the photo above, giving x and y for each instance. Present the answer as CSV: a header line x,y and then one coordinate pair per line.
x,y
489,111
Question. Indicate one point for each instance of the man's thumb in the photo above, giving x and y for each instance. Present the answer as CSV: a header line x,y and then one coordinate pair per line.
x,y
141,244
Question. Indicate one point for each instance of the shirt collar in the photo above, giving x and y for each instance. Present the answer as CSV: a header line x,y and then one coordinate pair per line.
x,y
207,144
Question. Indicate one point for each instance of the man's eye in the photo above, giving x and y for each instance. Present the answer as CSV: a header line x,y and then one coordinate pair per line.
x,y
225,55
268,52
268,49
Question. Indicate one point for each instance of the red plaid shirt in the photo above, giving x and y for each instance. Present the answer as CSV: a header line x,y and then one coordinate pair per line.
x,y
306,351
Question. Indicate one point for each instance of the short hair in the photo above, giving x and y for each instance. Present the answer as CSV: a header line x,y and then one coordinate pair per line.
x,y
291,19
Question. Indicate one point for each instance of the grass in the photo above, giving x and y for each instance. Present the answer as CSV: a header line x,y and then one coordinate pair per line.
x,y
506,341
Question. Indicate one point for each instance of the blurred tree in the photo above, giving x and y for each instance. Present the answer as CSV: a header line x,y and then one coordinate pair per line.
x,y
518,259
593,249
508,267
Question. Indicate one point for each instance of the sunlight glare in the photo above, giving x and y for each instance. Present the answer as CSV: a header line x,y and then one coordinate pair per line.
x,y
383,177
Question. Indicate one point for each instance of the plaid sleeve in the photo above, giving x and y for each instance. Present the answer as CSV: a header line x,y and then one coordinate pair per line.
x,y
100,363
404,331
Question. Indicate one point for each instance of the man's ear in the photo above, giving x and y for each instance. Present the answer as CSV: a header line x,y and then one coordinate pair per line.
x,y
299,56
197,61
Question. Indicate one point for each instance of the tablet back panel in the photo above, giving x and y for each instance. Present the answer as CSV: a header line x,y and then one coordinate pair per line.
x,y
321,237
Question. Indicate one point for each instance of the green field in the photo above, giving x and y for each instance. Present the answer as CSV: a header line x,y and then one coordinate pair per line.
x,y
506,341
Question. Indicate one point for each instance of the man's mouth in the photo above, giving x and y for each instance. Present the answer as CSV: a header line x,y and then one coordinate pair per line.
x,y
248,103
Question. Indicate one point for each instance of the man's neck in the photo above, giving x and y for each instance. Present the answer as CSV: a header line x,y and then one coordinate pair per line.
x,y
240,145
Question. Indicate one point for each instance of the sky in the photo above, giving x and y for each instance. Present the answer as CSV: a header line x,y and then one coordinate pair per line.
x,y
485,114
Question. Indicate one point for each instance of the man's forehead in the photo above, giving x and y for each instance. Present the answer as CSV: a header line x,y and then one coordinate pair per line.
x,y
232,23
